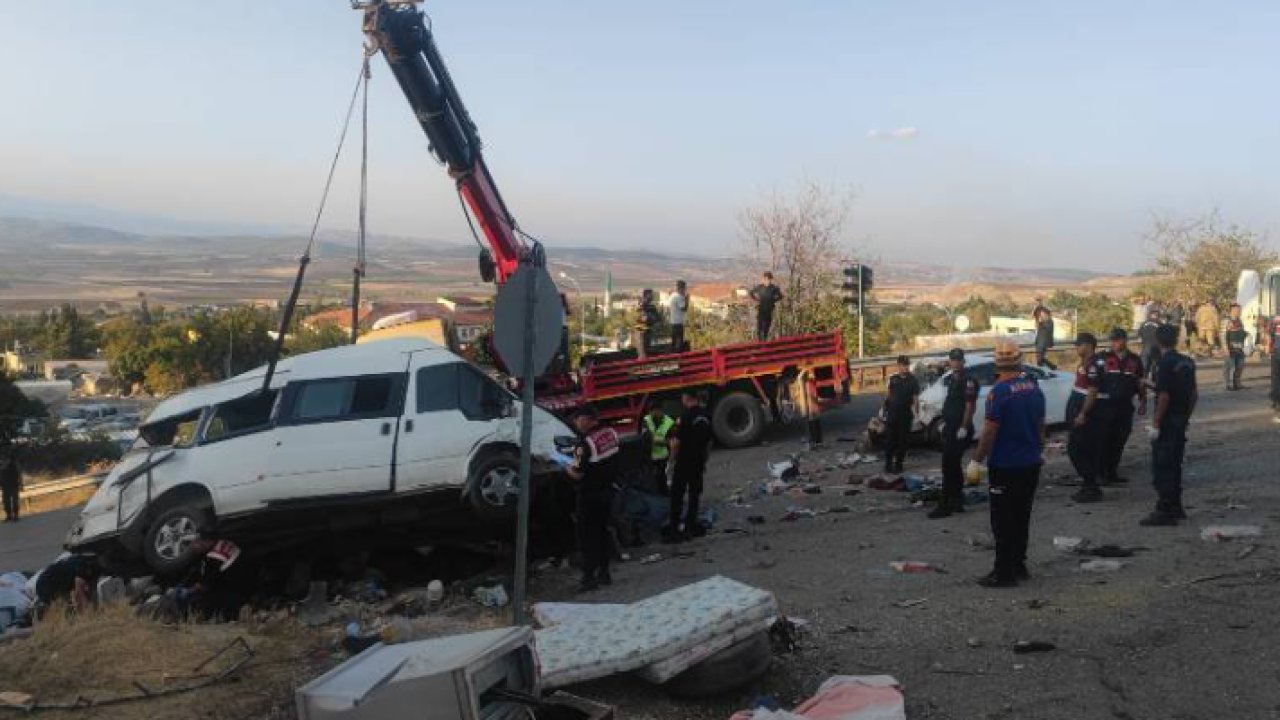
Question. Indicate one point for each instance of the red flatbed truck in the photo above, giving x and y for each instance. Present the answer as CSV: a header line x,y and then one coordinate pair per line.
x,y
745,385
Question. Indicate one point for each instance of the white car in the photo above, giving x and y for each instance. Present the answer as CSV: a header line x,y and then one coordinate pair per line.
x,y
356,436
1055,384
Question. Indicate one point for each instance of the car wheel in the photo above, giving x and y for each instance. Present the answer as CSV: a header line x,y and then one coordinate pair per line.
x,y
166,547
737,420
493,490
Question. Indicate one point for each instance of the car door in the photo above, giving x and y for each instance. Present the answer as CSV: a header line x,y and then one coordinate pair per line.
x,y
452,409
335,436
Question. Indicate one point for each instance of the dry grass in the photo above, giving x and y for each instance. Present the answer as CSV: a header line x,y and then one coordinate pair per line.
x,y
102,655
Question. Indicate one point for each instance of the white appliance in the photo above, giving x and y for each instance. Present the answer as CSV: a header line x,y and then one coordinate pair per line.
x,y
450,678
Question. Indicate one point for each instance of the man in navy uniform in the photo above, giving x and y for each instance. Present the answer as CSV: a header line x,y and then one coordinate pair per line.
x,y
957,433
1176,397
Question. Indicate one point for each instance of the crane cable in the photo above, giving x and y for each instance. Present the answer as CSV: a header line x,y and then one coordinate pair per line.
x,y
358,272
286,318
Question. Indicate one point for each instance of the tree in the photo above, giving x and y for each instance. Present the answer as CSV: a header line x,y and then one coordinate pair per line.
x,y
800,238
1200,259
66,335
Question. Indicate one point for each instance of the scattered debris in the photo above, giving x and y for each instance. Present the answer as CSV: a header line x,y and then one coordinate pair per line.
x,y
1069,544
843,697
910,603
651,559
1037,604
812,489
1023,647
788,469
1246,552
494,596
1221,533
911,566
1081,546
763,564
795,513
1101,566
851,492
756,519
981,540
974,642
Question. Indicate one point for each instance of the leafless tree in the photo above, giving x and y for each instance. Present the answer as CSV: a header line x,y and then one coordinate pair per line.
x,y
801,238
1199,259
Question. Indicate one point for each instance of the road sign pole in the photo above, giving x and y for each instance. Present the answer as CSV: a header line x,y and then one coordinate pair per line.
x,y
526,459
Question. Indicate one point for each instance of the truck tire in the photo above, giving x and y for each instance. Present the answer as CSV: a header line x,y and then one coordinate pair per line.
x,y
737,420
494,484
727,670
166,544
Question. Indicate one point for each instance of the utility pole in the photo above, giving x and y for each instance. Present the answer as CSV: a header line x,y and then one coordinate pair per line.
x,y
862,330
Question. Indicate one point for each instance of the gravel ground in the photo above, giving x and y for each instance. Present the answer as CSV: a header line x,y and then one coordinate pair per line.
x,y
1184,630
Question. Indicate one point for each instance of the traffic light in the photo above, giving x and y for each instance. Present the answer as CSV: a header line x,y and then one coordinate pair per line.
x,y
868,278
849,288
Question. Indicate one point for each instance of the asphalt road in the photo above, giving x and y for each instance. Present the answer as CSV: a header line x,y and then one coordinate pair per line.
x,y
33,542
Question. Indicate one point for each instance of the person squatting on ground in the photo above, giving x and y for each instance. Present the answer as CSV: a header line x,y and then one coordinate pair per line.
x,y
1176,397
224,579
1012,446
957,434
10,482
1121,384
901,407
1234,337
657,426
1084,419
767,296
595,470
72,579
690,447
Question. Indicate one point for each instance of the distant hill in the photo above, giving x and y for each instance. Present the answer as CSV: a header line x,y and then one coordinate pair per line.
x,y
50,261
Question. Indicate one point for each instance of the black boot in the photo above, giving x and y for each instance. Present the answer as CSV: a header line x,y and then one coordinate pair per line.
x,y
604,578
1088,493
996,580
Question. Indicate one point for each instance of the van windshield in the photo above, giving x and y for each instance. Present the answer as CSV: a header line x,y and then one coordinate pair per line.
x,y
178,430
240,416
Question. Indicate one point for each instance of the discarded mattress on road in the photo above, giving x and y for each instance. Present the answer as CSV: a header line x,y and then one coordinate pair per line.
x,y
659,637
843,697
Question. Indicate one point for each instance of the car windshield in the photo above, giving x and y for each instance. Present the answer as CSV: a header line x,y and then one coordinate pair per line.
x,y
178,430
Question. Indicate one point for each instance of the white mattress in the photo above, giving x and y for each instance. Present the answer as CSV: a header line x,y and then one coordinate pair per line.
x,y
664,634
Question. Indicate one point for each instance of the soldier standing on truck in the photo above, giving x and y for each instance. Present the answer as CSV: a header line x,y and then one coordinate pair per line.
x,y
594,468
677,307
647,317
767,296
1044,334
957,433
1234,336
901,406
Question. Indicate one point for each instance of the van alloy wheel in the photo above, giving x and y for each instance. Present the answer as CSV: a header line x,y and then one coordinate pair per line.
x,y
174,536
499,484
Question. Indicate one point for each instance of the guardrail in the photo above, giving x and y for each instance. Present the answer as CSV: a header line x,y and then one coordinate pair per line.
x,y
58,494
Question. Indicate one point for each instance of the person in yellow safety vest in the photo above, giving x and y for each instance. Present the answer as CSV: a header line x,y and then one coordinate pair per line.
x,y
656,426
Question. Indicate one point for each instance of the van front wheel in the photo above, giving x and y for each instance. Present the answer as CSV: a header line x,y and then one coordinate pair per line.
x,y
493,490
168,541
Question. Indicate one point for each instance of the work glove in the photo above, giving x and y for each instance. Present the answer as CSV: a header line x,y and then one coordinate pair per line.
x,y
962,434
974,472
1153,433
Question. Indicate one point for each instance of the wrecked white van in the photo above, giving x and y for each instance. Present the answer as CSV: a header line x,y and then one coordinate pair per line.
x,y
376,435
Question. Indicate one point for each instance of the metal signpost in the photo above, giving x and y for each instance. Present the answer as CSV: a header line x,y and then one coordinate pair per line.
x,y
527,324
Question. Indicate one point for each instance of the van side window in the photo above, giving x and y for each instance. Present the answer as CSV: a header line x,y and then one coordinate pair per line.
x,y
368,396
458,386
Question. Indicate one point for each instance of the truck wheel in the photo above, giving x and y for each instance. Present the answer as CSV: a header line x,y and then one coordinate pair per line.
x,y
493,490
738,420
168,540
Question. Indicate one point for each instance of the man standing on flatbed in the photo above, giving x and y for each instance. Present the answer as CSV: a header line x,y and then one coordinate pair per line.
x,y
767,296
